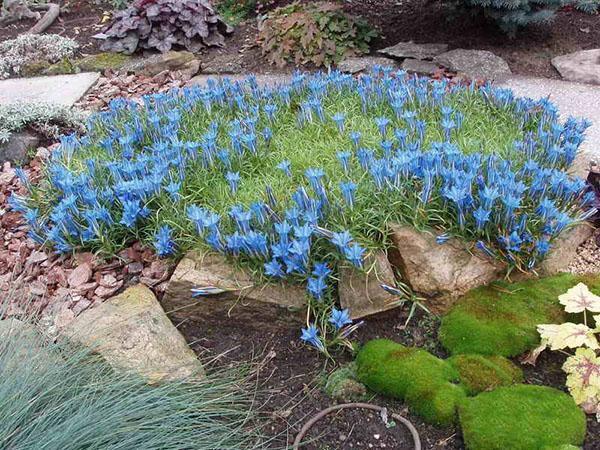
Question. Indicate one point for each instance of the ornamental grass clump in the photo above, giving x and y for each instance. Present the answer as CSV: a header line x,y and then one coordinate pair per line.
x,y
57,396
289,180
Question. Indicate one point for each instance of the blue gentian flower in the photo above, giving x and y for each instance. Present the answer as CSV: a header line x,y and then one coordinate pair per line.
x,y
341,240
348,189
340,318
163,241
274,269
316,287
354,254
344,158
233,179
310,335
285,167
339,119
321,270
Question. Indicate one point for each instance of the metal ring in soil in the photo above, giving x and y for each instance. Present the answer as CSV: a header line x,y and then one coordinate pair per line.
x,y
323,413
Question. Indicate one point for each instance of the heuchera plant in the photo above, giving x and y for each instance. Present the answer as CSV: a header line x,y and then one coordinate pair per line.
x,y
583,367
321,34
161,24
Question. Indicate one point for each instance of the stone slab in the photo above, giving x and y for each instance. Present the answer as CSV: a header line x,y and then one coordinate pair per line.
x,y
365,63
474,64
581,67
268,80
572,99
61,89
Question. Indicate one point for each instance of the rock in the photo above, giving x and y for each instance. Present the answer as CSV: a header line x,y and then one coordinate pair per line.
x,y
102,61
474,64
364,63
155,64
63,318
60,89
582,66
564,249
223,64
418,67
263,80
442,272
80,275
37,257
361,292
411,50
15,150
242,298
133,333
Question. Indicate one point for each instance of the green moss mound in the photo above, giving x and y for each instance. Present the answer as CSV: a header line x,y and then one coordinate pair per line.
x,y
501,319
102,61
485,373
429,385
521,417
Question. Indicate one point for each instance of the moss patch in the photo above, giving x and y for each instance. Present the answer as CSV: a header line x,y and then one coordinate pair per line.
x,y
342,385
102,61
501,319
429,385
485,373
521,417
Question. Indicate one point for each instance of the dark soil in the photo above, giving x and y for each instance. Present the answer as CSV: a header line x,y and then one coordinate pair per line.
x,y
529,53
79,20
398,20
292,376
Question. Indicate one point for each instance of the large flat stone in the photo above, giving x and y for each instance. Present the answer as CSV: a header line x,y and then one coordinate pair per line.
x,y
572,99
365,63
440,272
411,50
582,66
241,297
60,89
474,64
361,291
132,333
269,80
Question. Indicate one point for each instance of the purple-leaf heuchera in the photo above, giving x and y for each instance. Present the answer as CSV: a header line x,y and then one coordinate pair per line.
x,y
199,158
162,24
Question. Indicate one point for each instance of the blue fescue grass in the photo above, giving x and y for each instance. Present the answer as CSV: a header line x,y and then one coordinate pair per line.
x,y
222,167
58,397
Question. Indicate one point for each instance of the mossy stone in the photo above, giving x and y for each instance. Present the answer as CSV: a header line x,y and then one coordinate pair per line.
x,y
485,373
102,61
521,417
502,318
64,66
429,385
34,68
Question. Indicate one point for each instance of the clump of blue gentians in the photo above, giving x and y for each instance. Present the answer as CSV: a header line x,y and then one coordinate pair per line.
x,y
112,185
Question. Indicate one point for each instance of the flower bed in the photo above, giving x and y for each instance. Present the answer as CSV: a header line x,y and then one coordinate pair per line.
x,y
285,178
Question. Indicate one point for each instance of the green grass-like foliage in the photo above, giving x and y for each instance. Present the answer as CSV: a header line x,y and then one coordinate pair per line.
x,y
57,397
485,373
318,33
501,319
429,385
521,417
